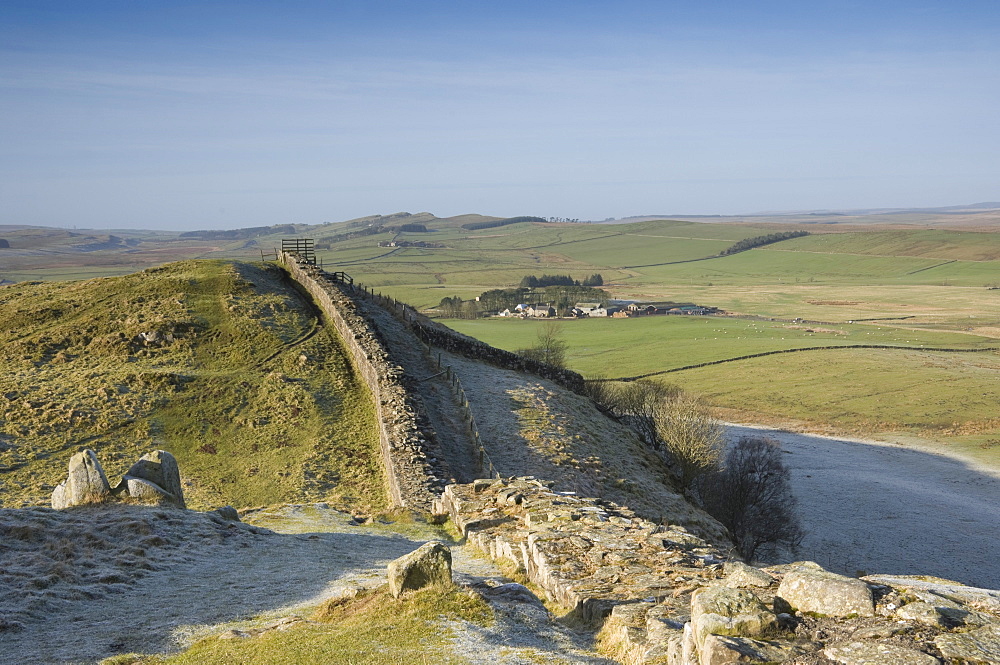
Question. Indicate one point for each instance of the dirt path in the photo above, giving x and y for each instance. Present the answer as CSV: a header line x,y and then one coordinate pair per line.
x,y
884,508
456,447
256,577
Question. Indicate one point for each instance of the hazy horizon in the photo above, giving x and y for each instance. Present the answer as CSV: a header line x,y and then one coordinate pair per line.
x,y
199,115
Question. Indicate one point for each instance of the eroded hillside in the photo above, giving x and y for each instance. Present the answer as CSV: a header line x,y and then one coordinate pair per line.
x,y
224,364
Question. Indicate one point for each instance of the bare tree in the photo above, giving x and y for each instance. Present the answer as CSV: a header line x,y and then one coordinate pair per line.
x,y
550,347
639,402
689,435
751,496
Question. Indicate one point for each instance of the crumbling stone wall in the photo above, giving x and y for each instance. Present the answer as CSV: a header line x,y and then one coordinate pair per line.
x,y
665,596
435,334
412,479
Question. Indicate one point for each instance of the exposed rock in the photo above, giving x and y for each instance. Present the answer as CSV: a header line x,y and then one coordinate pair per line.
x,y
144,491
987,600
512,592
428,564
881,653
662,598
228,513
723,650
740,575
922,613
879,632
825,593
722,610
86,482
976,646
160,469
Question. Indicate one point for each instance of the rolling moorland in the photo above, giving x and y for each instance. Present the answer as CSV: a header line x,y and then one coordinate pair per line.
x,y
232,368
918,281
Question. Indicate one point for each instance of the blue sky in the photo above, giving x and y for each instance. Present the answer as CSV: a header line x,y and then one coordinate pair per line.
x,y
183,115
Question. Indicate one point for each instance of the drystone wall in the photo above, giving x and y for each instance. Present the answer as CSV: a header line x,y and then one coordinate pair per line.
x,y
435,334
404,433
665,596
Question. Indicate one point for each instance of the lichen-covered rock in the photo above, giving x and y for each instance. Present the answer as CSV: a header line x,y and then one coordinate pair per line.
x,y
922,612
987,600
825,593
876,653
428,564
723,650
86,482
159,468
722,610
143,491
740,575
979,646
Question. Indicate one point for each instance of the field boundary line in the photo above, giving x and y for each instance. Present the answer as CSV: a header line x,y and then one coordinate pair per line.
x,y
807,348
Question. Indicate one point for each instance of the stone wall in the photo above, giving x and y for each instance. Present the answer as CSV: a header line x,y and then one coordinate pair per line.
x,y
412,479
662,595
435,334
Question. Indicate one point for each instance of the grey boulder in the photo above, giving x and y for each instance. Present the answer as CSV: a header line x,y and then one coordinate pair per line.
x,y
428,564
86,482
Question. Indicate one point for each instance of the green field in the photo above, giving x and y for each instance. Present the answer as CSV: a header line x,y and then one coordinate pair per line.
x,y
629,347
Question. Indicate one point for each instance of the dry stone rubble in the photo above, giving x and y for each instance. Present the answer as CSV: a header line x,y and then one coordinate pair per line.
x,y
665,596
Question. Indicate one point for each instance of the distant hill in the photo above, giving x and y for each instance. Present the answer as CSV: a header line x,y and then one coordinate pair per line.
x,y
974,215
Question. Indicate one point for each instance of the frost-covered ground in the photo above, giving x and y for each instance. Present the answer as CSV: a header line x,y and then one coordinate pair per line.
x,y
885,508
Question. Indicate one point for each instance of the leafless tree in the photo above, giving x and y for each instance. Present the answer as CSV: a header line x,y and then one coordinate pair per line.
x,y
689,435
751,496
550,347
638,403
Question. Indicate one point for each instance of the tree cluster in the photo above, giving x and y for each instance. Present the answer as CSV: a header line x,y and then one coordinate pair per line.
x,y
409,228
533,282
240,234
745,486
758,241
563,298
456,308
476,226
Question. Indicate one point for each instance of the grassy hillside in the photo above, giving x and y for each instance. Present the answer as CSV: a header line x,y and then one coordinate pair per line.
x,y
223,364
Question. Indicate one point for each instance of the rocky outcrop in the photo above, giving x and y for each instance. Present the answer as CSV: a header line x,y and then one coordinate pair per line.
x,y
812,589
662,595
976,646
155,480
86,482
427,565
